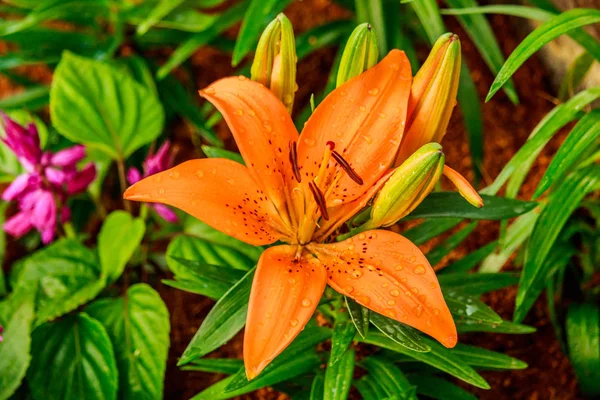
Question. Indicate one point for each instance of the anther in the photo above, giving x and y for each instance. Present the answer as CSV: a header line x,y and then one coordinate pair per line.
x,y
346,167
319,199
331,145
294,162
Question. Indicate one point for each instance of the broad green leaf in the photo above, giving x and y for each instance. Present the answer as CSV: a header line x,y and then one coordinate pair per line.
x,y
16,317
439,357
482,358
31,99
438,388
504,327
338,377
469,261
258,15
429,229
225,20
470,308
115,113
227,366
565,199
400,333
138,326
520,164
72,359
477,284
454,206
225,319
304,343
369,389
583,337
68,275
389,377
553,28
441,250
359,316
215,152
482,35
580,139
119,237
575,75
343,334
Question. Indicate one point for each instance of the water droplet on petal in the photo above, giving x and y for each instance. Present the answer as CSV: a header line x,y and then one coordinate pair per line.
x,y
399,267
291,281
395,293
418,310
395,67
374,92
391,302
294,322
239,111
242,78
362,236
306,303
368,139
309,141
349,289
356,273
251,113
362,108
419,269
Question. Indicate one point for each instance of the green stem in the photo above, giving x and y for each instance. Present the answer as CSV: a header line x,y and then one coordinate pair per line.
x,y
355,231
69,230
123,183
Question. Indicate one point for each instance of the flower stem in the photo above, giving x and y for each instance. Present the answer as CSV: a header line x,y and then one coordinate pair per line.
x,y
354,231
69,230
123,183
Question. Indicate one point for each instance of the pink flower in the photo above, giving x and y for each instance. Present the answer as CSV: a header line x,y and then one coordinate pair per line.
x,y
153,164
43,190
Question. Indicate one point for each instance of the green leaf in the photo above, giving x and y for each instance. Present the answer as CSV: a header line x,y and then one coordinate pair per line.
x,y
583,337
429,229
559,25
72,359
258,15
438,388
138,327
359,316
369,389
482,35
16,317
477,284
372,11
521,162
31,99
224,21
325,35
389,377
451,204
159,11
215,152
343,334
575,75
227,366
439,357
469,261
582,137
68,275
441,250
483,358
338,377
505,9
225,319
470,308
504,327
119,237
565,199
400,333
114,112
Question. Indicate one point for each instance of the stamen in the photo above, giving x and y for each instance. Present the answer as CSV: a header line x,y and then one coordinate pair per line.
x,y
331,145
346,167
294,162
319,199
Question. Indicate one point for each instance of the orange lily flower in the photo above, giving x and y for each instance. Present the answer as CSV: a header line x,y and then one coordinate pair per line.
x,y
298,189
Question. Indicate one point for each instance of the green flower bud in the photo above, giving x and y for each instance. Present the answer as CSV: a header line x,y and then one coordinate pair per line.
x,y
275,60
360,53
409,184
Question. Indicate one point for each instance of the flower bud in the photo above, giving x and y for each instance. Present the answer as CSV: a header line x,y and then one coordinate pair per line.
x,y
464,187
275,60
432,97
360,53
408,185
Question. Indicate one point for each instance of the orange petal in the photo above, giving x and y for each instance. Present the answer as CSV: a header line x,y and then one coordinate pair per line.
x,y
365,119
464,187
217,191
387,273
263,131
285,293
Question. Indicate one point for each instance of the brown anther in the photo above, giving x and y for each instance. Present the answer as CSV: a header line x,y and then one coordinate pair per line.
x,y
331,145
319,199
294,162
346,167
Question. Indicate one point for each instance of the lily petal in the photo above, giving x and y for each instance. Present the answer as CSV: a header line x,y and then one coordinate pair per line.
x,y
285,293
365,118
263,131
387,273
464,187
218,192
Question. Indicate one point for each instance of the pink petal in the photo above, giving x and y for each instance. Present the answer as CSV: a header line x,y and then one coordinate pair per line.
x,y
165,213
133,175
82,179
68,156
16,188
18,225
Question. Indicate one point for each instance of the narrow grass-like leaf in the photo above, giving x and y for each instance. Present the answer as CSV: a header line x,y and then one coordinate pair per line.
x,y
553,28
438,388
581,138
389,377
504,327
470,308
223,321
441,250
338,377
159,11
482,358
439,357
258,15
227,366
30,99
575,75
215,152
583,337
343,334
359,316
372,12
400,333
328,34
495,208
469,261
430,228
477,284
368,388
504,9
317,389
